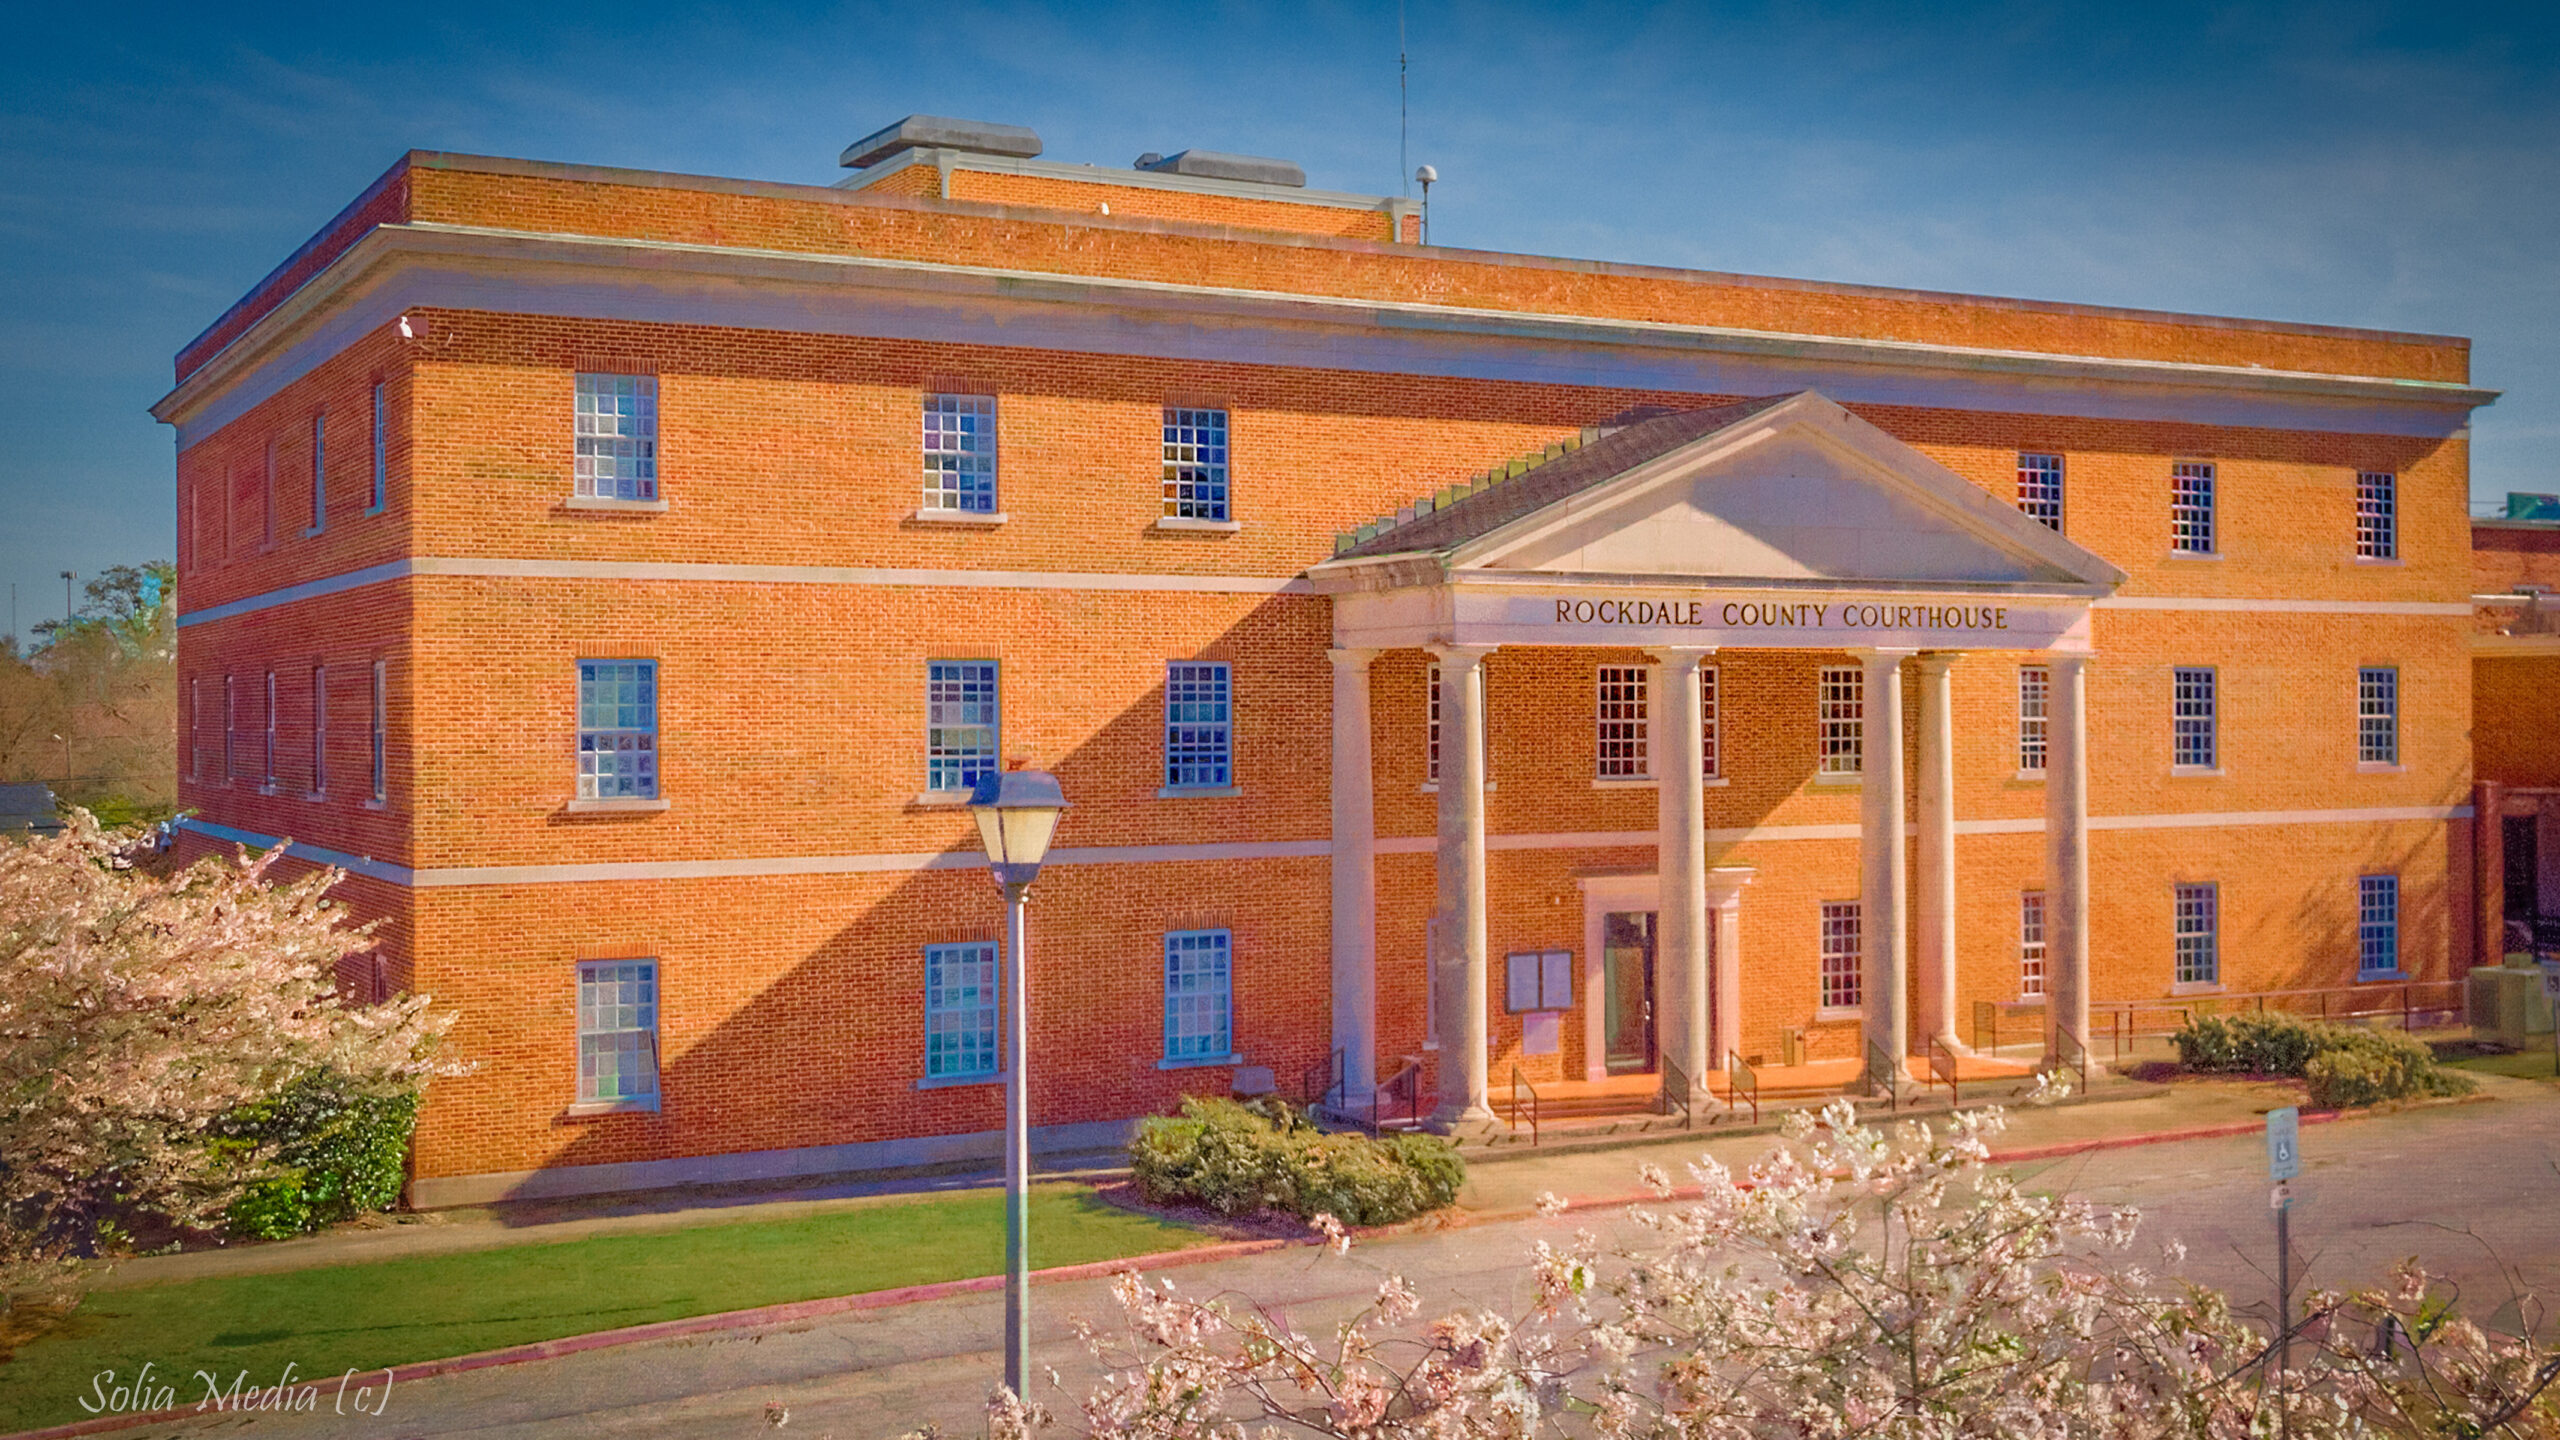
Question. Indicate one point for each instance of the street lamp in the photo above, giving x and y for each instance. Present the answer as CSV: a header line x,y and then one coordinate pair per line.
x,y
1017,812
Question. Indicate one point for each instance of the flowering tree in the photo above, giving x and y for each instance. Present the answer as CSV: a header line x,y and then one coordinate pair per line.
x,y
1849,1285
136,1010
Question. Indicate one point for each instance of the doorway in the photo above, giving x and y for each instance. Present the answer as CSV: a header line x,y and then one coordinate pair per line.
x,y
1627,979
2524,866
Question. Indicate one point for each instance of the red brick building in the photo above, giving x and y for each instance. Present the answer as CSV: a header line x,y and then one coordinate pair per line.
x,y
2515,737
1506,661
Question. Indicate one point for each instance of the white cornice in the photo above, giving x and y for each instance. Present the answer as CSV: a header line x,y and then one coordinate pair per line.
x,y
518,256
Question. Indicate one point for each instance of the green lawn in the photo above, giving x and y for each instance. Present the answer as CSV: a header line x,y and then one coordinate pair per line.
x,y
2531,1063
429,1307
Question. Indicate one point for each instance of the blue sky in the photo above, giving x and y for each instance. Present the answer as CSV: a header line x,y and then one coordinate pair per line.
x,y
2395,166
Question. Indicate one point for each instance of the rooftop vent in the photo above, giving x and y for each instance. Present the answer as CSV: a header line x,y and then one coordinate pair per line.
x,y
1213,165
934,132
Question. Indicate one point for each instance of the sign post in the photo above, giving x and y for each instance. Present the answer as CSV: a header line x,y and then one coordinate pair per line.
x,y
2284,1162
2551,998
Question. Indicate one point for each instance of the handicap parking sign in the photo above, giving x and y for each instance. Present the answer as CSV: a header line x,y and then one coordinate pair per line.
x,y
2284,1144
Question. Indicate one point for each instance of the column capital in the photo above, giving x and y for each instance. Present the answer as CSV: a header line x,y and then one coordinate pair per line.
x,y
2070,659
1341,656
1725,882
1935,662
1689,655
1883,655
1460,654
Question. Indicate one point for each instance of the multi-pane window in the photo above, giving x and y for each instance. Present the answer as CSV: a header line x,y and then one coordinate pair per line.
x,y
959,1010
2378,715
2377,515
381,727
2192,718
230,729
1198,995
1843,713
1843,967
1199,725
381,460
960,453
1431,702
959,723
267,739
2035,701
1710,732
618,1032
1195,464
617,729
195,729
2030,944
617,437
2199,934
2191,508
2378,924
319,473
2040,488
319,729
1624,723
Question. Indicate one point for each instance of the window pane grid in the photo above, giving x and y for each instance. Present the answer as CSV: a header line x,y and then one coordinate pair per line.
x,y
2378,924
1707,727
381,465
1431,703
617,1030
1197,991
2040,488
2030,944
1843,971
617,455
1843,713
1198,725
617,729
381,726
960,988
2191,508
319,729
319,472
2377,515
2378,715
960,453
267,765
2198,934
1195,464
960,723
2193,718
1624,723
2035,699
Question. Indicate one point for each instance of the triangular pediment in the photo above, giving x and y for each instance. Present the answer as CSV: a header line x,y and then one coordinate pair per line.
x,y
1795,490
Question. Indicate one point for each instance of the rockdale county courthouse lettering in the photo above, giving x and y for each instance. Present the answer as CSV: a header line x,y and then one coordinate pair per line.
x,y
1461,665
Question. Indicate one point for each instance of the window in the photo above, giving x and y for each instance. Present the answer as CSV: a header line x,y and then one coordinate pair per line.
x,y
960,453
2377,925
2030,944
618,1032
1198,991
1198,726
2377,515
2193,720
1431,706
617,729
2191,508
381,460
2035,699
617,437
319,729
959,723
381,725
1623,723
959,1010
319,473
1710,736
267,498
267,761
2199,928
195,729
1843,713
230,729
1843,969
1195,464
2040,488
2378,715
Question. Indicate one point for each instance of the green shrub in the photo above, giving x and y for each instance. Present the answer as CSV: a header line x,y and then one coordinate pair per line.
x,y
338,1152
2268,1043
1237,1159
2346,1065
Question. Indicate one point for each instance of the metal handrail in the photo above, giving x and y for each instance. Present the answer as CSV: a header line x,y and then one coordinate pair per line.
x,y
1942,1066
1405,1084
2123,1016
2072,1053
1986,1020
1741,1082
1880,1076
1519,1084
1333,1077
1677,1092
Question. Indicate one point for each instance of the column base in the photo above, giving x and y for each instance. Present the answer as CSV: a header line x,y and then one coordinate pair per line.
x,y
1451,1118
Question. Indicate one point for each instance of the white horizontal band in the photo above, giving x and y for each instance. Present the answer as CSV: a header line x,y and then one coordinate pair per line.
x,y
2286,607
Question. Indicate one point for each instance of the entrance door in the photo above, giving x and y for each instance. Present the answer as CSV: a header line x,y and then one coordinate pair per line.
x,y
1626,953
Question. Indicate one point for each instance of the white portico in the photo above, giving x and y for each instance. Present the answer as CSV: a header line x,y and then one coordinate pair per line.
x,y
1784,523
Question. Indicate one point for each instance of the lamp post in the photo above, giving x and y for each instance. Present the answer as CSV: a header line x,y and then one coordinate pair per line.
x,y
1017,812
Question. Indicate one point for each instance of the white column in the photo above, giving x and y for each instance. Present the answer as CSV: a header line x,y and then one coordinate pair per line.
x,y
1934,896
1355,877
1883,881
2066,854
1458,961
1680,771
1724,899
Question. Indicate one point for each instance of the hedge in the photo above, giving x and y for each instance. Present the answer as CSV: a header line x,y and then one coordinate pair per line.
x,y
2346,1065
339,1151
1237,1158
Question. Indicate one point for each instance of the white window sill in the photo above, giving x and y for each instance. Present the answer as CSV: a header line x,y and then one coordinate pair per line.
x,y
940,798
2035,1000
2196,987
2196,772
2034,775
966,519
315,795
1206,1062
377,804
955,1082
1845,781
618,807
1624,782
2195,554
1432,787
1203,527
267,789
2378,560
592,502
585,1108
1198,792
375,509
310,530
1825,1017
2383,977
2379,767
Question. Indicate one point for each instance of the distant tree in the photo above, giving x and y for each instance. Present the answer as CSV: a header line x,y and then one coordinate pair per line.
x,y
104,680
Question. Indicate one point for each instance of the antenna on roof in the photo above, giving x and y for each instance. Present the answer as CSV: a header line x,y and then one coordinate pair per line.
x,y
1401,108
